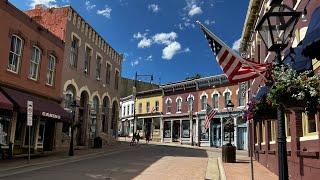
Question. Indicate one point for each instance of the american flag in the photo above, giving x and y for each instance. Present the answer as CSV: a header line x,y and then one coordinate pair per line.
x,y
210,114
233,65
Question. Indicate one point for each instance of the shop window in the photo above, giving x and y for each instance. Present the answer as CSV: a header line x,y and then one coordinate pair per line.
x,y
157,106
34,63
15,54
190,104
51,70
98,68
41,134
156,123
74,52
140,108
204,134
87,60
148,107
309,124
215,101
179,104
4,130
139,124
185,128
167,129
204,103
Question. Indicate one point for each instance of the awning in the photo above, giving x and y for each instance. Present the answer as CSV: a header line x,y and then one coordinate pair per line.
x,y
41,106
311,42
262,92
296,60
5,103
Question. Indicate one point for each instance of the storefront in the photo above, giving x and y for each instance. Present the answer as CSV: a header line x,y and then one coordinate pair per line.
x,y
178,130
149,124
46,113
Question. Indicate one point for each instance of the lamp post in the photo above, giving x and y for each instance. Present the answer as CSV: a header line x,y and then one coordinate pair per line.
x,y
275,29
228,150
229,123
73,107
134,93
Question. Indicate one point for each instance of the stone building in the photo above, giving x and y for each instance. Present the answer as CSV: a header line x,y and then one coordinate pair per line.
x,y
31,61
302,131
91,74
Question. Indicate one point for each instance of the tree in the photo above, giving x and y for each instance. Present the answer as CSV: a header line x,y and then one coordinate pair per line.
x,y
196,76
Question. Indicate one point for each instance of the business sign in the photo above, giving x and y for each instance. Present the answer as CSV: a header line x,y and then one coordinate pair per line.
x,y
29,112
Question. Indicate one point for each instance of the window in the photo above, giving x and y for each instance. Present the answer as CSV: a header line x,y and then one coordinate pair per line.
x,y
287,123
190,104
108,73
68,98
263,132
51,70
156,123
139,124
185,128
132,108
179,104
273,131
227,98
168,105
140,108
15,54
116,81
128,110
148,107
66,128
309,124
98,69
157,106
167,129
4,130
124,111
204,134
241,98
204,102
87,61
74,52
34,63
215,101
41,133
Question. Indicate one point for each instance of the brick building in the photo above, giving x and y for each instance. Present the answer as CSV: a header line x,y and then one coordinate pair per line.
x,y
31,65
90,75
302,131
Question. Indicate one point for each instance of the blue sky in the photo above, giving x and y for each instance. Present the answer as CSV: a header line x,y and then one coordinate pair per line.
x,y
160,37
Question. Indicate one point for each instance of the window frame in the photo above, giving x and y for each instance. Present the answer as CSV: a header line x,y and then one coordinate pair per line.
x,y
140,108
157,105
98,67
148,107
51,71
305,124
168,106
226,99
204,104
215,106
35,62
179,104
87,60
14,53
74,52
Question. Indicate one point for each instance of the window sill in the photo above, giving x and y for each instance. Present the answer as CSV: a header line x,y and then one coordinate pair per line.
x,y
309,137
14,72
272,142
178,112
168,113
263,143
289,139
32,79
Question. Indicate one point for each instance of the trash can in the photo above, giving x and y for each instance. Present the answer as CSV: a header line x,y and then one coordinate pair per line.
x,y
97,142
228,153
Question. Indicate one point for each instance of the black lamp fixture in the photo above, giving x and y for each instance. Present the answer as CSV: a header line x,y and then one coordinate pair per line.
x,y
276,26
73,106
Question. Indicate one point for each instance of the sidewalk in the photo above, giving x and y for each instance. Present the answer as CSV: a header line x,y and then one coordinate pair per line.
x,y
241,170
57,157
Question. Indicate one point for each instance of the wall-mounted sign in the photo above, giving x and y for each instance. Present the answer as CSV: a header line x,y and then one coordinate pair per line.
x,y
46,114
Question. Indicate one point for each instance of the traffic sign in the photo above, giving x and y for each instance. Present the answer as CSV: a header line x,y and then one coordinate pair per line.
x,y
29,112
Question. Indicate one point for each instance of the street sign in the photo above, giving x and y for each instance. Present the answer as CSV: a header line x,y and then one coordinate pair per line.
x,y
29,112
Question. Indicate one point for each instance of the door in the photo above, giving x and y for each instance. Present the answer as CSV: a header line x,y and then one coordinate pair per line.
x,y
176,131
48,135
242,138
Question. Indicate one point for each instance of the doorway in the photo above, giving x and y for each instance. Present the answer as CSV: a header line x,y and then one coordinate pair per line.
x,y
48,135
242,136
176,131
147,125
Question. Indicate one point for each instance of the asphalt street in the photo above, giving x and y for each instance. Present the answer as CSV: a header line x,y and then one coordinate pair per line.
x,y
140,162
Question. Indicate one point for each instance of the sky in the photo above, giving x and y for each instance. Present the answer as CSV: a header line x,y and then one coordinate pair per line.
x,y
160,37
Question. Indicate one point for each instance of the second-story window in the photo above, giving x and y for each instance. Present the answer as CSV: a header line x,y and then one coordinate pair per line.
x,y
74,52
15,54
98,69
190,103
132,108
227,98
157,106
128,110
108,73
168,105
148,107
215,101
116,80
51,70
140,107
204,102
179,104
124,111
87,61
34,63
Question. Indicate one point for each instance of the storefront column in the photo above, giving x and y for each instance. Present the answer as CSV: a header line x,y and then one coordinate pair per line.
x,y
13,127
198,131
235,132
171,124
180,131
161,129
222,131
191,131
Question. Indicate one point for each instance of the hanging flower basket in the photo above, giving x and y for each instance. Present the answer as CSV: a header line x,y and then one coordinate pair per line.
x,y
295,90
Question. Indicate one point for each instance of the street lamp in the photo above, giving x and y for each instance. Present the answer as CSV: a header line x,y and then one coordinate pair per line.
x,y
275,29
229,123
73,107
228,150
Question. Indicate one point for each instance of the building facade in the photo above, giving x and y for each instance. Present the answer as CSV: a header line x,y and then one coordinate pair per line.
x,y
90,75
126,116
31,67
302,131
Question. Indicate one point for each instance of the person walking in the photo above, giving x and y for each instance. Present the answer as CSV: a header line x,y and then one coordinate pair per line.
x,y
137,137
147,137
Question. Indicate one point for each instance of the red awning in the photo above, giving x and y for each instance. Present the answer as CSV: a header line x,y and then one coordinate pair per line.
x,y
41,106
5,103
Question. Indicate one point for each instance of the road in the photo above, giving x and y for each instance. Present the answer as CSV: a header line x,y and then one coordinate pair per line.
x,y
141,162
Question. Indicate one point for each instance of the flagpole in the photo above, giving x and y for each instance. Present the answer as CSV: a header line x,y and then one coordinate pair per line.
x,y
239,57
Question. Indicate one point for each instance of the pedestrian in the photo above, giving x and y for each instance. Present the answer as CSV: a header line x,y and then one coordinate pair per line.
x,y
133,139
147,137
137,137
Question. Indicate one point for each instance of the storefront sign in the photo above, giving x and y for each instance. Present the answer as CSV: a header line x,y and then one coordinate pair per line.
x,y
50,115
29,112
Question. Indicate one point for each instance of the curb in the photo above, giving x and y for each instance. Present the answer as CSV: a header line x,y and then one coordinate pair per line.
x,y
221,169
212,172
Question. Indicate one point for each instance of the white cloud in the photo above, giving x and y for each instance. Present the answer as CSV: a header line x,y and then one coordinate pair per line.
x,y
149,58
48,3
236,45
154,8
89,6
106,12
169,51
208,22
139,35
194,10
144,42
135,62
164,38
186,50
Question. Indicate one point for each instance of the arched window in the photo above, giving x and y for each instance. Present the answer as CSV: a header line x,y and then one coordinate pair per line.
x,y
179,104
215,101
190,103
168,105
227,97
204,102
15,54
